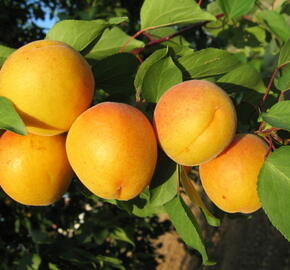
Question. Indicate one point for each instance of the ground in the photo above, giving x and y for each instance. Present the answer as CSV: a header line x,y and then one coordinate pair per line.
x,y
242,242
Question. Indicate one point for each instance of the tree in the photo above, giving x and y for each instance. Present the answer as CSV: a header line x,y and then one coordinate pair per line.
x,y
19,20
242,47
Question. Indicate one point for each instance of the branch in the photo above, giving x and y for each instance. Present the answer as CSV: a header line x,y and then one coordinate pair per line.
x,y
277,69
148,36
269,86
163,39
267,131
247,18
160,40
272,147
122,49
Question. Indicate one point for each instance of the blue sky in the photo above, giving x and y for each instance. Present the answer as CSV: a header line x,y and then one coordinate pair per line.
x,y
47,23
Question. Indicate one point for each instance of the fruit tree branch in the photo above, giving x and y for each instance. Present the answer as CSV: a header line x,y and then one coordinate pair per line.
x,y
268,89
269,86
160,40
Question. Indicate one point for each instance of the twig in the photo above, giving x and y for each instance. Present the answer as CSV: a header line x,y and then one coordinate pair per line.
x,y
160,40
277,138
148,36
247,18
281,96
277,69
269,86
122,49
265,96
269,140
268,131
139,58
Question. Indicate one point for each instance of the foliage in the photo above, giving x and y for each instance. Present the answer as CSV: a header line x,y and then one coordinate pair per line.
x,y
20,19
243,47
77,232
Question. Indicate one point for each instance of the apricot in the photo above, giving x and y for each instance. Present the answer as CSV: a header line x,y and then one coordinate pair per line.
x,y
49,83
113,150
230,180
194,121
34,170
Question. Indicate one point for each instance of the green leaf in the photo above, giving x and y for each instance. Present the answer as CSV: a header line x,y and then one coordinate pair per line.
x,y
244,79
29,262
239,37
100,236
141,205
39,237
284,57
111,42
244,75
283,82
276,23
208,62
122,235
145,66
179,44
117,20
236,8
52,266
195,198
4,53
9,118
274,189
258,32
186,226
76,33
159,78
73,254
117,263
214,8
115,74
279,115
171,12
164,182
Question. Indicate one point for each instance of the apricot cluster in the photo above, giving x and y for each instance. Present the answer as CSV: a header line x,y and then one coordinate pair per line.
x,y
112,147
195,123
50,84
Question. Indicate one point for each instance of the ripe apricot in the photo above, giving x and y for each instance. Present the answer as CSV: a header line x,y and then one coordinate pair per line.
x,y
230,180
113,150
49,83
34,170
194,121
